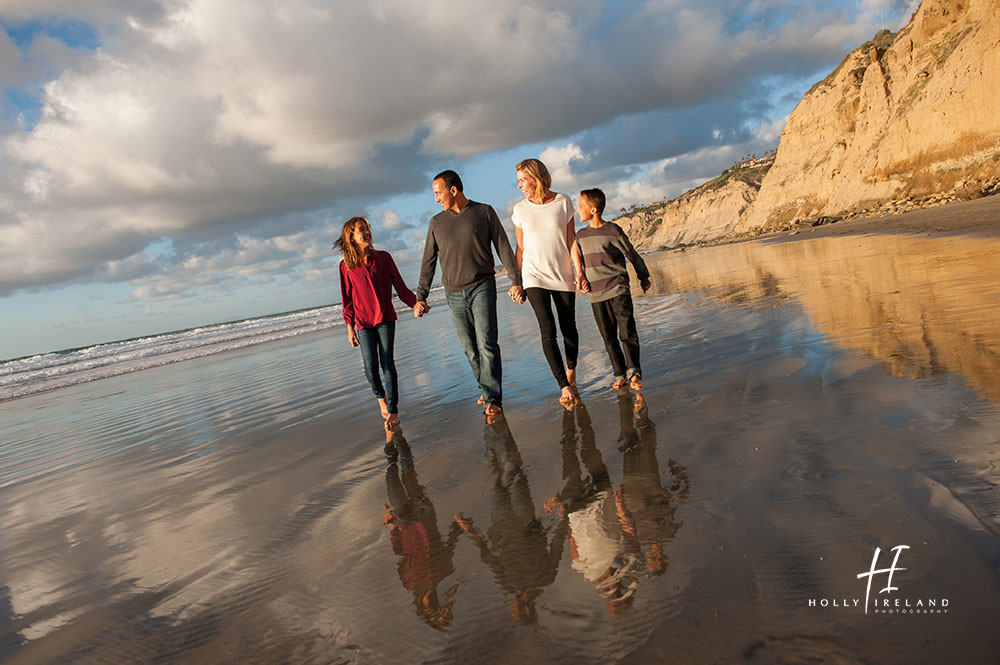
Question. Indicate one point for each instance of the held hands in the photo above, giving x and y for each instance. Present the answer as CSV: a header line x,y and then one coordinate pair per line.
x,y
421,308
582,284
516,294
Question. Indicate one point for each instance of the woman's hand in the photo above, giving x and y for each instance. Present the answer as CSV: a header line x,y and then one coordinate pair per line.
x,y
353,336
583,284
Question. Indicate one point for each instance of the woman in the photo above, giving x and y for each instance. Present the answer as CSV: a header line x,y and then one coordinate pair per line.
x,y
367,277
547,255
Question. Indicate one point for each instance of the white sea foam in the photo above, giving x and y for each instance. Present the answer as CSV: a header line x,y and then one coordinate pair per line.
x,y
48,371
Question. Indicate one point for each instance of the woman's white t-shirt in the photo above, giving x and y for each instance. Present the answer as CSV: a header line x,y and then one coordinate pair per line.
x,y
545,261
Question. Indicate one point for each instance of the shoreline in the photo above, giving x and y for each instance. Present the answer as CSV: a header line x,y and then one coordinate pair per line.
x,y
974,217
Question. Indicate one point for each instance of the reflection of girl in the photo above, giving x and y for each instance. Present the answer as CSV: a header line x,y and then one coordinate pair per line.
x,y
547,254
367,277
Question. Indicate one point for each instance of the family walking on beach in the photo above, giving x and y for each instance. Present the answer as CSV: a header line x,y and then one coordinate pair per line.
x,y
551,263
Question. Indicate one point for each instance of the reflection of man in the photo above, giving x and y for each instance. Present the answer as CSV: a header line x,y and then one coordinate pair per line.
x,y
516,546
425,559
464,235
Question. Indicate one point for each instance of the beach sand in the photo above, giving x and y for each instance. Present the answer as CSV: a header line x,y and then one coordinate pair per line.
x,y
805,403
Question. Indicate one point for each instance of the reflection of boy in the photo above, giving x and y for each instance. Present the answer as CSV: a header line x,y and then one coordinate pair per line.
x,y
425,559
605,248
645,499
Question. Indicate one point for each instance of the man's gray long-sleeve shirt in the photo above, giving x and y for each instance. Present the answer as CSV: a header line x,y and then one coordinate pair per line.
x,y
465,241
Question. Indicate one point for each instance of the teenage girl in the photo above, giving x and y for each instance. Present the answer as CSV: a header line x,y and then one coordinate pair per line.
x,y
367,277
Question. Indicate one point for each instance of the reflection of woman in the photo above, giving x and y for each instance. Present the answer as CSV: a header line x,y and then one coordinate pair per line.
x,y
367,277
547,254
516,545
601,534
425,559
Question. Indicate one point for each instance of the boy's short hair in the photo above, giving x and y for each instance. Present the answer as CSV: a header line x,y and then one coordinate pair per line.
x,y
596,198
450,179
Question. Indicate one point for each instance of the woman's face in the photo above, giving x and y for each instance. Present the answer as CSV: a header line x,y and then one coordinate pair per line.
x,y
526,184
362,235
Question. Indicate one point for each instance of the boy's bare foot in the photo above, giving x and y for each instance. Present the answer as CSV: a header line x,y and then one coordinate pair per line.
x,y
383,408
391,420
618,384
636,382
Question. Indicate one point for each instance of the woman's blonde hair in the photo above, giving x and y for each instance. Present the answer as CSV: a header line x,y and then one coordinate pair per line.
x,y
345,243
535,169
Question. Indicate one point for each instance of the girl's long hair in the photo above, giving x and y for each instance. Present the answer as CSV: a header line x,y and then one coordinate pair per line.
x,y
536,169
345,243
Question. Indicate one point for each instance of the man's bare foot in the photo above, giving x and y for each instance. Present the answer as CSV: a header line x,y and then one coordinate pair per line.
x,y
383,408
493,410
391,420
618,384
636,382
567,398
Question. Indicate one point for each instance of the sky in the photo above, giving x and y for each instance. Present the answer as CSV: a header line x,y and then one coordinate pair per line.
x,y
174,163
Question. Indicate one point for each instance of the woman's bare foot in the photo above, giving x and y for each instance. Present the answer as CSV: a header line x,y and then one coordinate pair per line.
x,y
567,398
392,420
383,408
636,382
618,384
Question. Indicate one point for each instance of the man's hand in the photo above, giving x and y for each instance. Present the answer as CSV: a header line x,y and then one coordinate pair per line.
x,y
421,308
645,284
352,335
516,294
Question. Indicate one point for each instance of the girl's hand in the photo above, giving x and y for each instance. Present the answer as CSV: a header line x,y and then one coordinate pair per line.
x,y
353,336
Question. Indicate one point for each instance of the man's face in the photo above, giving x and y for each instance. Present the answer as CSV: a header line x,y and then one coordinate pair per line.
x,y
444,195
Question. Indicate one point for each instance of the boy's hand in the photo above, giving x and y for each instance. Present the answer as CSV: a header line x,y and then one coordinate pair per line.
x,y
645,284
583,284
353,336
421,308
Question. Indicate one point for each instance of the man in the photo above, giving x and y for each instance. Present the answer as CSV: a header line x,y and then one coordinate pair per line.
x,y
462,235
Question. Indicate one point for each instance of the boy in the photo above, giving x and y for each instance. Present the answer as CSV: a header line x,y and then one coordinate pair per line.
x,y
605,247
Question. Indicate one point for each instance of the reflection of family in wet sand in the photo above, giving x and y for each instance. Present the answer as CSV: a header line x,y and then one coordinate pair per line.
x,y
551,263
616,535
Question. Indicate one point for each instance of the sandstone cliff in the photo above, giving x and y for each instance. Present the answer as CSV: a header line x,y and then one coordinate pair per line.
x,y
904,116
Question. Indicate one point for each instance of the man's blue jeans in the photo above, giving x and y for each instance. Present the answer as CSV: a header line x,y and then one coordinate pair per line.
x,y
474,311
376,350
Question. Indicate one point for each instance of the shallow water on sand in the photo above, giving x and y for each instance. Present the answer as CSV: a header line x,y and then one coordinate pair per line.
x,y
805,404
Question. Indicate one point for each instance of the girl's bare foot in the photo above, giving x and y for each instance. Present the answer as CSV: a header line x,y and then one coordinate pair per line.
x,y
567,398
383,408
618,384
636,382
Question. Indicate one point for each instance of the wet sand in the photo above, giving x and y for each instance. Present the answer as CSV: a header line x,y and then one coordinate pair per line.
x,y
805,403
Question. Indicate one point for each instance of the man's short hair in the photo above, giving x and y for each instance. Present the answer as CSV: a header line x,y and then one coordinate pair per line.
x,y
596,198
450,179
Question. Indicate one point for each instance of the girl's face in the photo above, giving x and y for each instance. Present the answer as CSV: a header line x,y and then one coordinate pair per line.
x,y
362,235
526,184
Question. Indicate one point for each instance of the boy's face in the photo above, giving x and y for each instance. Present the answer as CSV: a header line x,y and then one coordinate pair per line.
x,y
585,209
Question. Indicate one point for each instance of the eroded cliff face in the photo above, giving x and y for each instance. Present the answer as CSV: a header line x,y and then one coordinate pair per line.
x,y
904,116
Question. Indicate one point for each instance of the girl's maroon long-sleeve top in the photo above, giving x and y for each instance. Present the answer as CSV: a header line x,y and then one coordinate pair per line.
x,y
366,291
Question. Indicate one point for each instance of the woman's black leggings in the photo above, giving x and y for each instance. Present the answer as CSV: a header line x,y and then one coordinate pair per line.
x,y
541,302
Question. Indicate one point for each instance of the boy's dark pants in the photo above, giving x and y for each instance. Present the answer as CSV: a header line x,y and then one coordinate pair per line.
x,y
615,321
